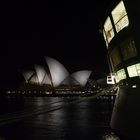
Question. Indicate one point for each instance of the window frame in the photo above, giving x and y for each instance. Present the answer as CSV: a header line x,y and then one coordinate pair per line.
x,y
120,19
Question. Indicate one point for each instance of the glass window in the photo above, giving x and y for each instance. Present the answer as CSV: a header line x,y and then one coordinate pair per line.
x,y
109,32
138,68
134,70
105,38
115,56
121,74
120,17
117,78
128,49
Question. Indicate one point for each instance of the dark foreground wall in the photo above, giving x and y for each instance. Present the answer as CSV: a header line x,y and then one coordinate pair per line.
x,y
126,113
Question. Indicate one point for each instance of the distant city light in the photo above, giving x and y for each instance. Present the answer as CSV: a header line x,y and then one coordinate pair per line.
x,y
134,86
110,136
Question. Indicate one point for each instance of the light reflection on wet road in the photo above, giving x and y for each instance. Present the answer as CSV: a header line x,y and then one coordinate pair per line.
x,y
88,120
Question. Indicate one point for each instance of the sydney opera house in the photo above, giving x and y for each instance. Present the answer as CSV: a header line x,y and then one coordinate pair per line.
x,y
54,77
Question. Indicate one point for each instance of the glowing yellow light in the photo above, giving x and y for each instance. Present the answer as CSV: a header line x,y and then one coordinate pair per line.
x,y
109,32
120,17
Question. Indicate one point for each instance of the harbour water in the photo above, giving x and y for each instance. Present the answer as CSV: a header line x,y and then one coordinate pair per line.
x,y
54,118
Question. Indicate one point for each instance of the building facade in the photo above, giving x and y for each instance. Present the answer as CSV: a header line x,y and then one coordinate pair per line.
x,y
54,77
120,29
121,34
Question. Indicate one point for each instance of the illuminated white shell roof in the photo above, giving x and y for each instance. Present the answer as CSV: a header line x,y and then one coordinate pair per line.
x,y
57,75
42,76
34,79
81,76
27,75
70,81
46,80
57,70
40,71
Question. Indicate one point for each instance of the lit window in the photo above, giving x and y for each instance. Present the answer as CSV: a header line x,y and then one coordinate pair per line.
x,y
120,17
138,68
134,70
105,38
116,78
121,74
109,32
128,49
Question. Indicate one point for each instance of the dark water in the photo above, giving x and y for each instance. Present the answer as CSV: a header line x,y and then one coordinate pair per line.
x,y
87,120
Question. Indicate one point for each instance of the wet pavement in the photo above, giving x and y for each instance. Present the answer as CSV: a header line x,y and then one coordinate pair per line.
x,y
86,120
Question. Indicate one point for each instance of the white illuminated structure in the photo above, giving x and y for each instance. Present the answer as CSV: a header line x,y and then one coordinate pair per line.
x,y
34,79
42,75
56,75
82,76
40,71
70,81
27,75
46,80
57,70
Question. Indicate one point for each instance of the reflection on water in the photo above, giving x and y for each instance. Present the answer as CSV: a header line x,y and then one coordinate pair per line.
x,y
87,120
110,136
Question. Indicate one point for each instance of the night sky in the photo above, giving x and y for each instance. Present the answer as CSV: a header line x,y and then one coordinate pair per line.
x,y
65,30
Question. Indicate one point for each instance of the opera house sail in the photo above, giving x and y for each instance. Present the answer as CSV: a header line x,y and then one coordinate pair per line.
x,y
57,71
81,76
55,76
42,75
27,75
